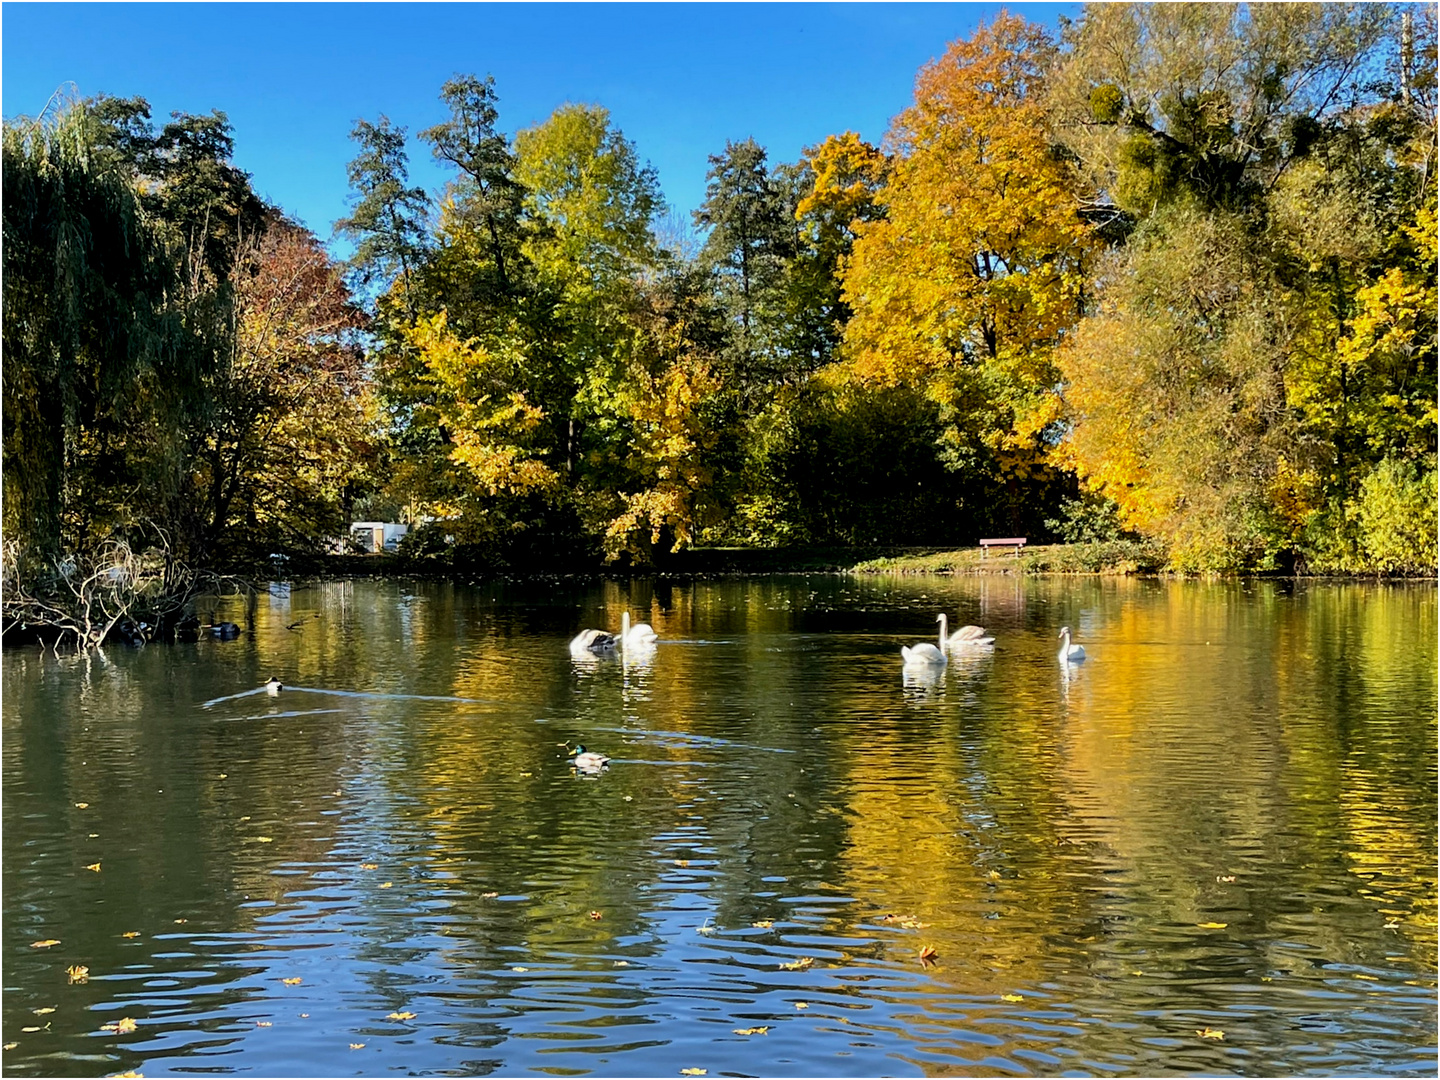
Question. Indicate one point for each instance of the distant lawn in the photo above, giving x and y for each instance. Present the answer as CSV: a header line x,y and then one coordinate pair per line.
x,y
1101,557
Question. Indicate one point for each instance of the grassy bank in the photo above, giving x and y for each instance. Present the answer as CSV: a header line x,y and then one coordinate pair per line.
x,y
1108,557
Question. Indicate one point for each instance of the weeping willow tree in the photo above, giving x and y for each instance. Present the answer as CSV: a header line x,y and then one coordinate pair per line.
x,y
98,354
106,349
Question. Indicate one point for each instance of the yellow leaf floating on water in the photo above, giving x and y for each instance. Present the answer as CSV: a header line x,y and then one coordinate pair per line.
x,y
94,866
799,965
129,1076
928,954
1210,1033
82,806
401,1016
802,1004
596,915
131,933
78,973
752,1031
9,1046
369,866
692,1072
763,924
181,922
386,884
124,1026
517,967
1225,879
295,981
44,944
1011,997
357,1046
1212,925
682,862
27,1030
44,1012
265,839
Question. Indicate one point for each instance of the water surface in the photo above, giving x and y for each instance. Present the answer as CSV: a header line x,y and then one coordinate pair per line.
x,y
1211,848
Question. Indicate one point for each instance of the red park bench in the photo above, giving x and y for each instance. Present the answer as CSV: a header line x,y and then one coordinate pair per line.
x,y
1016,542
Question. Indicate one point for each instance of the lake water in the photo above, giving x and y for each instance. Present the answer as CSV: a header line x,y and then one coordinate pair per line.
x,y
1209,849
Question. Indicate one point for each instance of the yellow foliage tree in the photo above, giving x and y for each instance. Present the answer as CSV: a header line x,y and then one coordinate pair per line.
x,y
495,433
977,269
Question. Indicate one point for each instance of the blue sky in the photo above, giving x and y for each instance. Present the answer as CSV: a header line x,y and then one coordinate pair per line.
x,y
678,79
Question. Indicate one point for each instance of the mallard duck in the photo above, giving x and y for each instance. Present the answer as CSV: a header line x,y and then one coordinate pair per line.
x,y
588,760
1070,654
925,653
273,686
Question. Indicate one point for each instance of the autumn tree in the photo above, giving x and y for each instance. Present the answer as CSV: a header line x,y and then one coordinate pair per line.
x,y
977,269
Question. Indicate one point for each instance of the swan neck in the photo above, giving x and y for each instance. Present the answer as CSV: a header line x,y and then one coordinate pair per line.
x,y
943,628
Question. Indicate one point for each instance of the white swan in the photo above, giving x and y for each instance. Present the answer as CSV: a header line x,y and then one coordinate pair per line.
x,y
966,635
273,686
638,635
1070,654
630,637
925,653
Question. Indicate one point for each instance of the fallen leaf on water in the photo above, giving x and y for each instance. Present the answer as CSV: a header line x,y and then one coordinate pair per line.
x,y
30,1029
622,963
928,954
304,1016
131,933
527,775
369,866
752,1031
44,944
1012,997
263,1023
82,806
1212,925
123,1026
78,973
265,839
1137,973
179,922
763,924
1210,1033
799,965
596,915
802,1004
223,776
94,866
692,1072
357,1046
994,875
1225,879
517,967
245,818
295,981
386,884
401,1016
489,895
682,862
909,922
9,1046
129,1075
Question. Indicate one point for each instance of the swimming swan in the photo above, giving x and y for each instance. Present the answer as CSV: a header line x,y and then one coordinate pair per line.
x,y
966,635
925,653
630,637
1070,654
273,686
638,635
